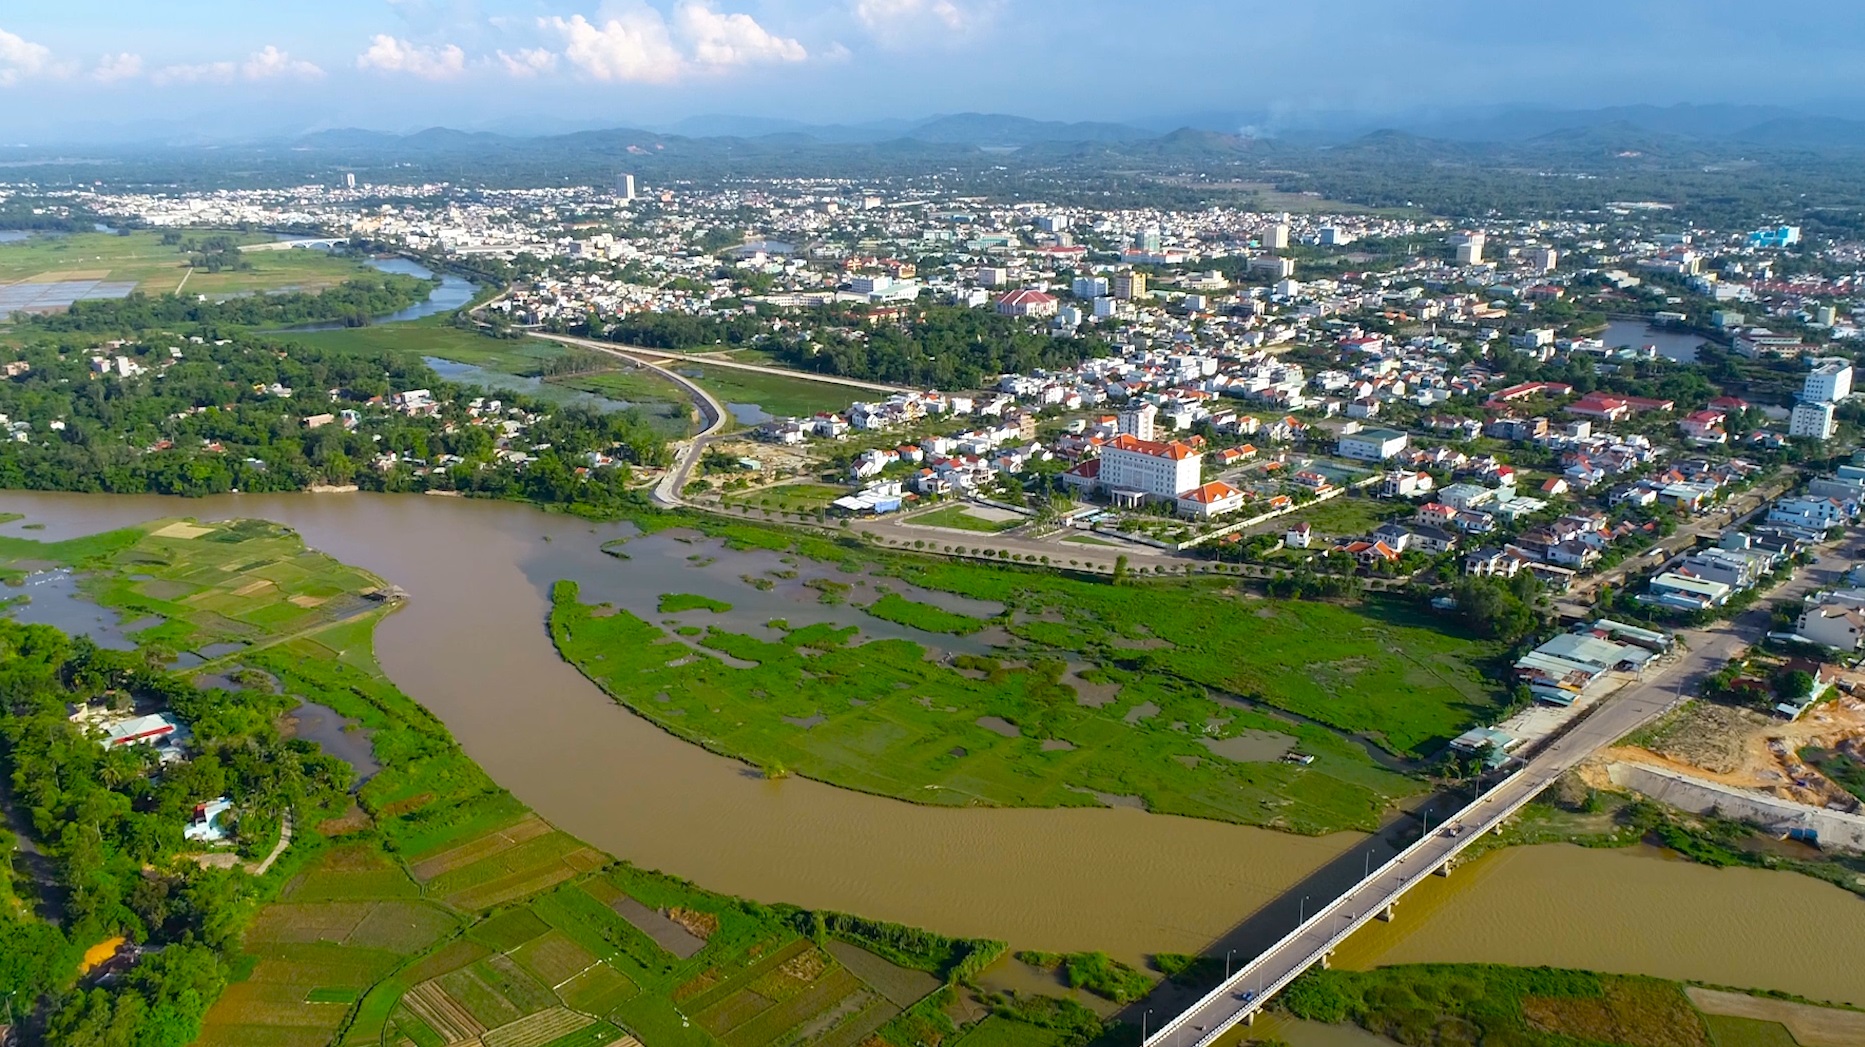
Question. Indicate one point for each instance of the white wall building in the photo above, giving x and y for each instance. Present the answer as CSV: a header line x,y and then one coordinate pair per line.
x,y
1829,381
1157,470
1813,420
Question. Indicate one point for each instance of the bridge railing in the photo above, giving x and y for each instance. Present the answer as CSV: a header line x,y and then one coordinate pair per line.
x,y
1231,984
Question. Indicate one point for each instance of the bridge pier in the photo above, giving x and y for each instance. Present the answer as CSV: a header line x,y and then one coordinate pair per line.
x,y
1385,915
1327,960
1445,869
1249,1019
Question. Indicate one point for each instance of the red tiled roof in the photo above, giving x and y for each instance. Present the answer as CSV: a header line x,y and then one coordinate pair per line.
x,y
1174,450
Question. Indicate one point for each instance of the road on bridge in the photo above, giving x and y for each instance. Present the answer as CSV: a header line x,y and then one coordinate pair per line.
x,y
1701,652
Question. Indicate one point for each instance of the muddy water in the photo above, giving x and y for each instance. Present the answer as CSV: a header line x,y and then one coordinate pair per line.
x,y
470,645
1632,911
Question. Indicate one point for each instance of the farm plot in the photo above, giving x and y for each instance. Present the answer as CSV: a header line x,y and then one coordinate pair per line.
x,y
544,1027
517,871
282,1003
530,827
598,990
553,958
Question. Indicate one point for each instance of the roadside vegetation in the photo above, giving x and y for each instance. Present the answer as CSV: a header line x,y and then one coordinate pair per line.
x,y
1529,1007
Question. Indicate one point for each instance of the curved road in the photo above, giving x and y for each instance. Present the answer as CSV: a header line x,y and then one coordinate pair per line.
x,y
644,355
712,412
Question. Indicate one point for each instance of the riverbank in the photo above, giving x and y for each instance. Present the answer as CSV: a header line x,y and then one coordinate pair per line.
x,y
469,648
439,904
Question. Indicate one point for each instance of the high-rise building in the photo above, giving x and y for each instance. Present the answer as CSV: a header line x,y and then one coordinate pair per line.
x,y
1829,381
1138,420
1089,287
1276,237
1544,258
1129,285
1469,247
1148,240
349,180
1811,419
624,187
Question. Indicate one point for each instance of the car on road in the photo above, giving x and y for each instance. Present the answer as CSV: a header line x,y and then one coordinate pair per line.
x,y
1246,996
1454,831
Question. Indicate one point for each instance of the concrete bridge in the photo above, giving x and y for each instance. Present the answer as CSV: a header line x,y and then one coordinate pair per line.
x,y
324,243
1376,897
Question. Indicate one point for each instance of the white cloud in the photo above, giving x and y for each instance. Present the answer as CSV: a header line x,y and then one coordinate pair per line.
x,y
21,58
390,55
529,62
205,72
722,40
896,22
273,64
634,47
638,45
269,63
111,68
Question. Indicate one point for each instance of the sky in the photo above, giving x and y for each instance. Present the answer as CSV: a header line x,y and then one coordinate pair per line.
x,y
80,69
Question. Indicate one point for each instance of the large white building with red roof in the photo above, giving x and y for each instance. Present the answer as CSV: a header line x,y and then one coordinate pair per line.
x,y
1027,301
1136,468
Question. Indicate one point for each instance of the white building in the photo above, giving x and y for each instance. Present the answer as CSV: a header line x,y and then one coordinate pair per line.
x,y
1372,445
1138,421
1276,237
1813,420
1207,500
1545,259
1829,381
1089,287
1157,470
1832,625
1469,247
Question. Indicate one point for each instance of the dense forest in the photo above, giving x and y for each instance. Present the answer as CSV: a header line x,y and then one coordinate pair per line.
x,y
354,303
255,413
107,832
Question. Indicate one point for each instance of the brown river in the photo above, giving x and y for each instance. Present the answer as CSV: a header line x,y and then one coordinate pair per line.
x,y
471,646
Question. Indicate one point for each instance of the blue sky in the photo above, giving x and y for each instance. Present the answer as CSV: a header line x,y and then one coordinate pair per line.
x,y
219,66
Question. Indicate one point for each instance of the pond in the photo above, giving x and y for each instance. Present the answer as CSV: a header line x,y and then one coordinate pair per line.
x,y
1672,345
472,374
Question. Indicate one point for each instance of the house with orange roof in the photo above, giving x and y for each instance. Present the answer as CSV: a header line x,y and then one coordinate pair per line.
x,y
1208,500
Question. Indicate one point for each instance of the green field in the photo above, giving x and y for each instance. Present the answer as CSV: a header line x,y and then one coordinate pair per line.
x,y
960,517
1525,1007
881,718
790,498
923,616
158,268
249,583
774,394
435,336
1343,516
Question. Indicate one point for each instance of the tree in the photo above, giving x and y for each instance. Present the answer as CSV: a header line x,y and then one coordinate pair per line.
x,y
1120,569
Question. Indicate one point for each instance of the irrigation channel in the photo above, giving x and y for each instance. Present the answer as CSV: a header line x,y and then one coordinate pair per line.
x,y
471,645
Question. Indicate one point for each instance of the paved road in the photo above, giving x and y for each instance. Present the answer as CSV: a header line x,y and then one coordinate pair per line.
x,y
686,455
644,354
1736,513
1700,653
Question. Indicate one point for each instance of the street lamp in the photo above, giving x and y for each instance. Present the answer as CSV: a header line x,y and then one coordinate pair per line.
x,y
1302,912
1227,955
1143,1016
